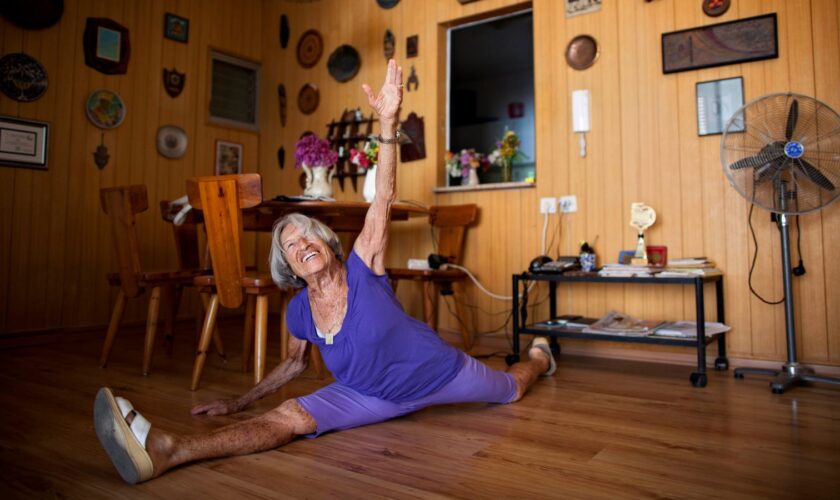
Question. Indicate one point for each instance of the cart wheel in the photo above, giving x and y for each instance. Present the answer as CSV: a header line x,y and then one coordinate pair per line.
x,y
698,379
511,359
721,364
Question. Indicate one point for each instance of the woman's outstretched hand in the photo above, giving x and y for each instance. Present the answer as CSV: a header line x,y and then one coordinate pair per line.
x,y
220,407
387,103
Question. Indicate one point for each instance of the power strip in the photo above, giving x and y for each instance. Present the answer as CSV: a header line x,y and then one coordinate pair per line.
x,y
419,264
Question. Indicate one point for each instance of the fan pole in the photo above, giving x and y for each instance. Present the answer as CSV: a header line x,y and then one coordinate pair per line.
x,y
790,332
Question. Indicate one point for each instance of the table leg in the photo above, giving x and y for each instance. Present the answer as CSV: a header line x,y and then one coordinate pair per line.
x,y
699,378
721,363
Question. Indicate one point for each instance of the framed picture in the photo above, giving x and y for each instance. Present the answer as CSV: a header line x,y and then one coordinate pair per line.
x,y
228,158
106,46
579,7
176,28
717,101
23,143
750,39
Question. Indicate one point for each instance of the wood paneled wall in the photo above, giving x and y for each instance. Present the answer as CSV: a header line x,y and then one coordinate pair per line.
x,y
55,247
643,147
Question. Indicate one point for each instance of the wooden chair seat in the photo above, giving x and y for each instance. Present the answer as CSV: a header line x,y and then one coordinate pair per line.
x,y
252,283
451,222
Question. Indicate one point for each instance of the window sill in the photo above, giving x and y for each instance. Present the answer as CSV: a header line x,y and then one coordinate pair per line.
x,y
484,187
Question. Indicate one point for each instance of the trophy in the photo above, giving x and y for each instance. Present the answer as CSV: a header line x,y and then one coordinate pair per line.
x,y
641,218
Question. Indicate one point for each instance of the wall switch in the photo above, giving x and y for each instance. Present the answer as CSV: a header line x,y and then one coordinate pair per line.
x,y
568,204
548,205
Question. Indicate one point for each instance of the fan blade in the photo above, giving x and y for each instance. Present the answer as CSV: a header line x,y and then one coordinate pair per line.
x,y
767,170
767,154
793,116
815,176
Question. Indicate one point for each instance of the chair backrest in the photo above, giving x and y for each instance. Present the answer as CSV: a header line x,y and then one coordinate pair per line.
x,y
452,222
186,237
221,199
120,204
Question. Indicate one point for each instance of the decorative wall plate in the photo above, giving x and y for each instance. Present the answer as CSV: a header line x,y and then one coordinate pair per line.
x,y
344,63
32,14
387,4
22,77
582,52
308,98
309,49
105,109
715,8
171,141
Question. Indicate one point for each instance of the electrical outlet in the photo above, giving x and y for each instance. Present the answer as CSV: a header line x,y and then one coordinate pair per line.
x,y
548,205
568,204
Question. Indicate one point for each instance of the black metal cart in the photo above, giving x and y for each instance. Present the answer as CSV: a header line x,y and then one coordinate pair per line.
x,y
698,378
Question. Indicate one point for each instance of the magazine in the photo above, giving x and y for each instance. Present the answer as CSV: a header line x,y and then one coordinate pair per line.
x,y
688,329
617,323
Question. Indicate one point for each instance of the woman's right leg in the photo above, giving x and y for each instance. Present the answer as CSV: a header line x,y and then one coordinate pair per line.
x,y
265,432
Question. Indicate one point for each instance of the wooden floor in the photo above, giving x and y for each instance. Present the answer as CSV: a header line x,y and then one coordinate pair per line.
x,y
597,429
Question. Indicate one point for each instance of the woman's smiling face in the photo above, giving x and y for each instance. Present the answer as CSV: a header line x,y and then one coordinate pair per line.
x,y
306,253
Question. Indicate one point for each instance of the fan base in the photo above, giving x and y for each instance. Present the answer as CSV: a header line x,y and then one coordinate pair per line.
x,y
790,375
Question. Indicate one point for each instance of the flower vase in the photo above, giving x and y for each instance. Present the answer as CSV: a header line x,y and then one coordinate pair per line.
x,y
507,170
369,190
473,178
318,181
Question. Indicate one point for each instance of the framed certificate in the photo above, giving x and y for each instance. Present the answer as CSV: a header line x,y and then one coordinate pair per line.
x,y
23,143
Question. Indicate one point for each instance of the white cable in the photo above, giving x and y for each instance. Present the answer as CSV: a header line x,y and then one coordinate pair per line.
x,y
480,286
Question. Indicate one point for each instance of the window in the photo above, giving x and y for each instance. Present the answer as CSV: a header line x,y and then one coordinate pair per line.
x,y
491,88
234,96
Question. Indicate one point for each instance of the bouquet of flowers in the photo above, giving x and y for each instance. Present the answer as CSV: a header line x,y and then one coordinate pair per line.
x,y
366,157
507,149
313,151
460,164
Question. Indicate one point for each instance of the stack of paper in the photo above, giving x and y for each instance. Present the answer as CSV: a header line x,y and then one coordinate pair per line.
x,y
691,266
626,271
688,329
617,323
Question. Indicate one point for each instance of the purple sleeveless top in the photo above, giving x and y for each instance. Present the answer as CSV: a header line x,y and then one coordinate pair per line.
x,y
380,350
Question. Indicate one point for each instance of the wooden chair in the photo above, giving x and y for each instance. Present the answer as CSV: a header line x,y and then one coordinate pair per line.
x,y
121,204
222,199
452,222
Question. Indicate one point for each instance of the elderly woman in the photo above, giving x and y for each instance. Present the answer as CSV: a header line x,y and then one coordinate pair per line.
x,y
385,363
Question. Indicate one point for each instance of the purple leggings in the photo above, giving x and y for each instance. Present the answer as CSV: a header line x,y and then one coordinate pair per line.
x,y
338,407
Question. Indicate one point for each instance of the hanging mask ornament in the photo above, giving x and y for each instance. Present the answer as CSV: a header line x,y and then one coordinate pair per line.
x,y
284,31
173,82
389,45
101,156
412,80
281,100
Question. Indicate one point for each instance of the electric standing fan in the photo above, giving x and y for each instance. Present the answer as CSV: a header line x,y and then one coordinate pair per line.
x,y
782,153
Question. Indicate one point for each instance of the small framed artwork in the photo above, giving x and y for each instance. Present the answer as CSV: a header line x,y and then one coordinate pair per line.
x,y
412,46
23,143
717,101
176,28
744,40
625,256
106,46
228,158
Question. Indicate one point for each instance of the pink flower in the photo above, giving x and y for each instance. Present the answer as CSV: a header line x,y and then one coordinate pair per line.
x,y
313,151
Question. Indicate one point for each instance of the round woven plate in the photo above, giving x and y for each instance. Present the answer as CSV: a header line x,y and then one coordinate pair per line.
x,y
22,78
105,109
308,98
582,52
344,63
309,48
171,141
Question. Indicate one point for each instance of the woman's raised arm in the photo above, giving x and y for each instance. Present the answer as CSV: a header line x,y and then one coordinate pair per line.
x,y
372,241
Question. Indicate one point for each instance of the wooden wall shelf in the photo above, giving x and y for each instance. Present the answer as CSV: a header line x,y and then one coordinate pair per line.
x,y
351,131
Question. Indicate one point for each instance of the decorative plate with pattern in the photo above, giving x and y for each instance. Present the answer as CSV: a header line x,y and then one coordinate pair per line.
x,y
308,99
105,109
22,77
309,49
